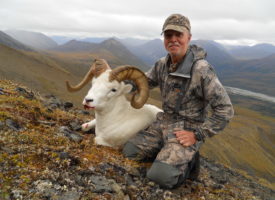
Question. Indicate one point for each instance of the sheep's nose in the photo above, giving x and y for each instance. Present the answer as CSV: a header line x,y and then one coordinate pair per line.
x,y
89,100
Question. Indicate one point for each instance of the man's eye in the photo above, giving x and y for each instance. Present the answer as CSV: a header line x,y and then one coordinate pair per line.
x,y
179,35
168,35
113,90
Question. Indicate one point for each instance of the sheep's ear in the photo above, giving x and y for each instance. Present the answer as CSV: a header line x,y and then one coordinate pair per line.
x,y
127,88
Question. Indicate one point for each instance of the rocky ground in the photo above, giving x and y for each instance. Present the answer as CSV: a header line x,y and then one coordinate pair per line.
x,y
45,155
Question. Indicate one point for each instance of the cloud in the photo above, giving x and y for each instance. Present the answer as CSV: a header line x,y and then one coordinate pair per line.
x,y
234,20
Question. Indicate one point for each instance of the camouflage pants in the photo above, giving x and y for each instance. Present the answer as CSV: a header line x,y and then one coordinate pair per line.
x,y
172,161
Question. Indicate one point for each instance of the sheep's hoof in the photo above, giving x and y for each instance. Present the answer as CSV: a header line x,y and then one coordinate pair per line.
x,y
100,141
86,127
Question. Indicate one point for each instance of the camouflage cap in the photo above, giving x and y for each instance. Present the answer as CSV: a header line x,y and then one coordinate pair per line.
x,y
176,22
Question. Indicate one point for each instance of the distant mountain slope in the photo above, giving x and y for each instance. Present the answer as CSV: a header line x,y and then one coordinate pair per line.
x,y
252,52
263,65
37,71
132,41
149,52
75,46
61,39
111,50
121,53
217,55
94,39
33,39
256,75
7,40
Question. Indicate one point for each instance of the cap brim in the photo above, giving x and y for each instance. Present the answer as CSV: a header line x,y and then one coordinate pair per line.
x,y
175,28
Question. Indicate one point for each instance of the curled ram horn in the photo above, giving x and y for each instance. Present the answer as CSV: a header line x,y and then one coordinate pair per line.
x,y
127,72
98,67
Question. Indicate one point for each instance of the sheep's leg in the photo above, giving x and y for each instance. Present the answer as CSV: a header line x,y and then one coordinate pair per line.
x,y
87,126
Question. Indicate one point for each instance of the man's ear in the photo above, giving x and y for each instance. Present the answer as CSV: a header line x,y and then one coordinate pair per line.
x,y
127,88
189,37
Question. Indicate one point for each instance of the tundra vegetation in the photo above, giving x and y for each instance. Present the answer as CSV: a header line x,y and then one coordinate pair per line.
x,y
45,155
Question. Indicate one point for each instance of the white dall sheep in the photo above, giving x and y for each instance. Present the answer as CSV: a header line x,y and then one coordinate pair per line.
x,y
116,119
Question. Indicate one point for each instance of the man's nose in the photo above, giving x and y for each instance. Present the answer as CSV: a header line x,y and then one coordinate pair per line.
x,y
173,37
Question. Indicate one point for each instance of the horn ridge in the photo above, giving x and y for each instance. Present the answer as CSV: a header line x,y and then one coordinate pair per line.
x,y
128,72
98,67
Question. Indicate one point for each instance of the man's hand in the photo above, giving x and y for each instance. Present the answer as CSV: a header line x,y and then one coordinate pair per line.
x,y
186,138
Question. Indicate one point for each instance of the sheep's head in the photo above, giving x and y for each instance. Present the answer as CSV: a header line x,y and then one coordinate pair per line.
x,y
107,84
103,93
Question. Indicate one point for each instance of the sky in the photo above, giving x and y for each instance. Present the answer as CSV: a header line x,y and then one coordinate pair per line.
x,y
237,22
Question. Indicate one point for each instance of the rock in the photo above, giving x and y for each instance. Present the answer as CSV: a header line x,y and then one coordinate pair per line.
x,y
132,191
168,195
128,179
69,195
70,134
47,123
75,125
45,188
25,93
84,112
13,125
17,194
117,189
2,91
66,155
2,125
52,102
68,105
7,149
219,177
101,184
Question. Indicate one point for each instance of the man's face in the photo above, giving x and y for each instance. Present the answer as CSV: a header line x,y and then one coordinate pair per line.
x,y
176,43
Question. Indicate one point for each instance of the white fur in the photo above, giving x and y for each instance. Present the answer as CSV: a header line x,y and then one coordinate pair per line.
x,y
116,121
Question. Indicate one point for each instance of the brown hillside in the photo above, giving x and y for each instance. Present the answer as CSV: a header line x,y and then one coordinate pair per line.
x,y
246,144
37,71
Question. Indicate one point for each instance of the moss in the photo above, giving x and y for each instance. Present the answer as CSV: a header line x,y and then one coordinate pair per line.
x,y
4,115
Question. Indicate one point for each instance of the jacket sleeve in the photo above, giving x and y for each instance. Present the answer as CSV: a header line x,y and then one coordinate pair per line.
x,y
153,75
216,97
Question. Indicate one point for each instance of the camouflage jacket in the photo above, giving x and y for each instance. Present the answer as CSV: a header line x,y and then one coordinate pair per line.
x,y
188,89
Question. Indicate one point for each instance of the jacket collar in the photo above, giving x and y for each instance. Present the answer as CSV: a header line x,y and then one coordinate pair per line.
x,y
184,68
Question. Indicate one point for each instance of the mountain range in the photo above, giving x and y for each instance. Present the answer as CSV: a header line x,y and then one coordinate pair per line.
x,y
257,74
32,39
251,52
110,49
7,40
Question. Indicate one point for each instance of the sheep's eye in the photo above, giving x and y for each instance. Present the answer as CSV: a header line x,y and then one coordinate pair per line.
x,y
113,90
